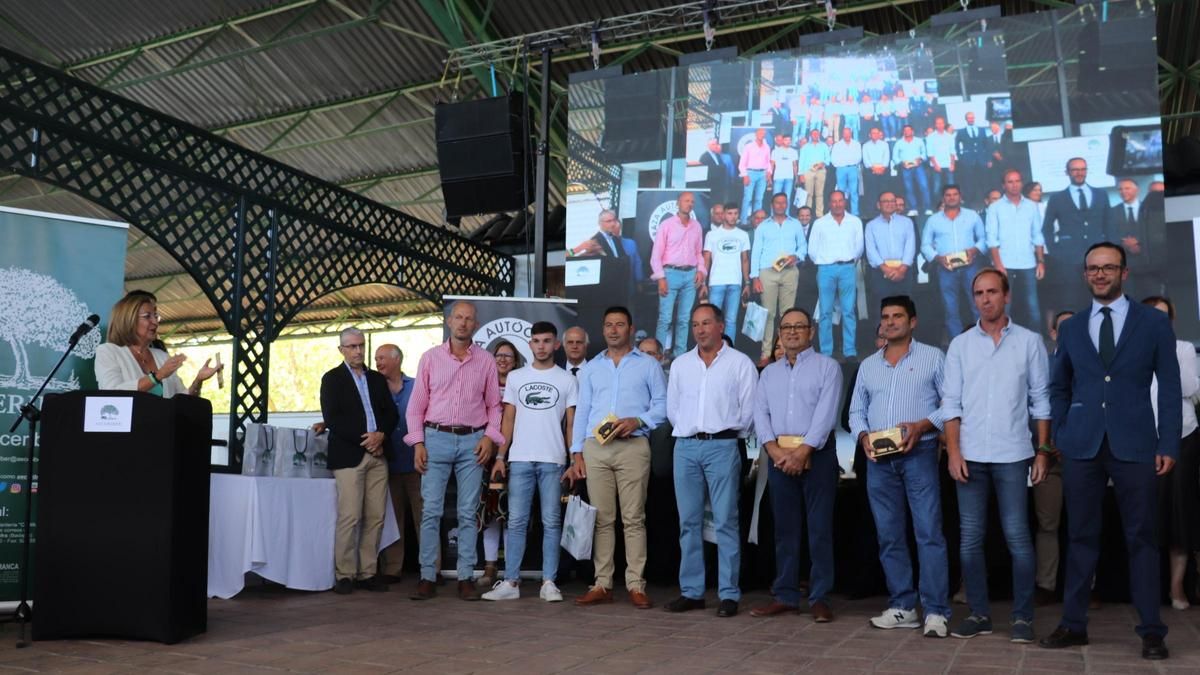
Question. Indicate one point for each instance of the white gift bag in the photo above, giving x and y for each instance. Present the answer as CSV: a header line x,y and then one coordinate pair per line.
x,y
755,322
318,457
578,526
293,447
258,450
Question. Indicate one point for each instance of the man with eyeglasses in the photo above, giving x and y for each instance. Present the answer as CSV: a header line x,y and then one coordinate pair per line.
x,y
357,408
795,409
1076,217
1105,428
454,427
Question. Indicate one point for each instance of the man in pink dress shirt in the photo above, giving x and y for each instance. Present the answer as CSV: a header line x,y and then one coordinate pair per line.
x,y
754,168
677,263
454,426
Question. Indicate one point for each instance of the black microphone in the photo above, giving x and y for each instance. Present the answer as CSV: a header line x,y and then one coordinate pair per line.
x,y
84,328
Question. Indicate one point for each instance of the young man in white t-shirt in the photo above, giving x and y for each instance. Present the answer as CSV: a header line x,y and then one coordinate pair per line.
x,y
727,257
537,400
783,168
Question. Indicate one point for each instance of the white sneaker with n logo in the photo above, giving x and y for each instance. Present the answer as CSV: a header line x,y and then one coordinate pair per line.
x,y
896,618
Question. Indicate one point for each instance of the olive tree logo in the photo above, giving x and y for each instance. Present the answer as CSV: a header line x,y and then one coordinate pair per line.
x,y
40,312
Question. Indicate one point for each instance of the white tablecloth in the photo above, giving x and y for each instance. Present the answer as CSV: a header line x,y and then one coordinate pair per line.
x,y
279,528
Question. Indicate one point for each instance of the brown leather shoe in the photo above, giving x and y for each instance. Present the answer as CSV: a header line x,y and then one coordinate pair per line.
x,y
772,609
596,595
821,612
425,591
466,591
640,600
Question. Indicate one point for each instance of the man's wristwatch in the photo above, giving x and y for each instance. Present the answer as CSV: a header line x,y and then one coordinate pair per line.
x,y
1045,450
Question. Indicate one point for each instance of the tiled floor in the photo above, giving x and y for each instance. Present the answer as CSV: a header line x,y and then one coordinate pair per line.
x,y
268,629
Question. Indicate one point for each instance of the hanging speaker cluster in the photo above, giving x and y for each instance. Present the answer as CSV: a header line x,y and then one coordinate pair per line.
x,y
482,156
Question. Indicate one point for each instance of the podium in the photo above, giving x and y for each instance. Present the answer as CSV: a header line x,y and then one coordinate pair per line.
x,y
122,524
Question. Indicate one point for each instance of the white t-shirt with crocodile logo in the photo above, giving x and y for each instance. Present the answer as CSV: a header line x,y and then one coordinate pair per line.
x,y
541,399
726,246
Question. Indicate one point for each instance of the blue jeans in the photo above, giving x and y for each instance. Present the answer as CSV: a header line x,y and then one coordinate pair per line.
x,y
847,182
895,485
752,195
1024,294
785,185
956,285
852,122
891,126
728,297
1008,479
940,178
681,286
799,501
917,199
708,468
523,479
450,453
837,281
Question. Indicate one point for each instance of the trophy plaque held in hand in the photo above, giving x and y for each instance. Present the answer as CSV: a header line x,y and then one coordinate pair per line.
x,y
887,442
789,442
956,260
781,262
607,429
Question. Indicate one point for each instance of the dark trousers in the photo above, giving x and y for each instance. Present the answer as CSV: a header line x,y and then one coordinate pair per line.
x,y
880,287
1084,481
797,501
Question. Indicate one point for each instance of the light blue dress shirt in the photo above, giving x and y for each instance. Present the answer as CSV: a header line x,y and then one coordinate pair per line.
x,y
894,239
1120,309
910,391
1017,230
635,387
773,239
798,400
994,389
360,383
813,153
943,235
907,152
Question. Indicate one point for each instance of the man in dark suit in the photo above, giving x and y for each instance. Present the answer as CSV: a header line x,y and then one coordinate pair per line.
x,y
612,247
1104,426
1001,153
971,148
721,173
1081,212
357,407
1130,220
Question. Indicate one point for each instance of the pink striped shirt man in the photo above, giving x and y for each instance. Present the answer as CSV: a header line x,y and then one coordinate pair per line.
x,y
678,245
455,393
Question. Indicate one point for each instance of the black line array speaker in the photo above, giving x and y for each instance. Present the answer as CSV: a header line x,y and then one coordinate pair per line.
x,y
481,156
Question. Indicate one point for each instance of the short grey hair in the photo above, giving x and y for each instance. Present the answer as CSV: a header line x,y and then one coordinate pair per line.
x,y
586,339
349,331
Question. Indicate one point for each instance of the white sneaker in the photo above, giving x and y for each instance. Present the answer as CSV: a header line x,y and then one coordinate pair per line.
x,y
503,590
550,592
896,618
935,626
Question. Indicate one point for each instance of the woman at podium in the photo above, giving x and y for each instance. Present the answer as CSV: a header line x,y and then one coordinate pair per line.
x,y
130,361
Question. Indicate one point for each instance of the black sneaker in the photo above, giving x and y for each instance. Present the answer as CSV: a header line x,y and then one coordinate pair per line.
x,y
1064,637
682,604
344,586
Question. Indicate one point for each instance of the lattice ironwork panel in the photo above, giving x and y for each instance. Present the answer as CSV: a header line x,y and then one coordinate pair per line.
x,y
588,168
261,239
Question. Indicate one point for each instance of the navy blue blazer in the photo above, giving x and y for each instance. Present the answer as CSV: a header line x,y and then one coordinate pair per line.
x,y
1077,228
1088,401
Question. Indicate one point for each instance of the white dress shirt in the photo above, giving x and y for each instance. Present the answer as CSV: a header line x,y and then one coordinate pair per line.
x,y
712,398
846,154
830,242
1120,309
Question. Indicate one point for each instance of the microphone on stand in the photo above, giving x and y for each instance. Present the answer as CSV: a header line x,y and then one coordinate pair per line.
x,y
84,328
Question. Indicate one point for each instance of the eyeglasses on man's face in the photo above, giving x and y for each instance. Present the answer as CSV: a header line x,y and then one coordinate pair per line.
x,y
1093,270
789,327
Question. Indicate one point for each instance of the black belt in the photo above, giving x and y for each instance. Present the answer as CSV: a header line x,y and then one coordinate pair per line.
x,y
843,262
720,435
453,429
685,268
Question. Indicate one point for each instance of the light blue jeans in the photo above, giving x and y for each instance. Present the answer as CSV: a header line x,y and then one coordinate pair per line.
x,y
728,297
752,194
450,453
708,469
523,479
836,285
681,287
847,182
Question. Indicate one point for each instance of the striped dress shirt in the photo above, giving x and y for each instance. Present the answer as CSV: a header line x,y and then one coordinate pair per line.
x,y
456,393
886,395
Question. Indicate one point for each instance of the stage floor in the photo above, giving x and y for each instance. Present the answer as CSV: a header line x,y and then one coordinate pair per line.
x,y
270,629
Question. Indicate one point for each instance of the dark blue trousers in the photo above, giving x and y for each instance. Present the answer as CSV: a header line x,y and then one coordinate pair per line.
x,y
797,501
1136,487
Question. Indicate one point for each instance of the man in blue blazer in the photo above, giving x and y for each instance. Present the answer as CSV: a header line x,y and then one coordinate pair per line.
x,y
1104,426
1082,216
